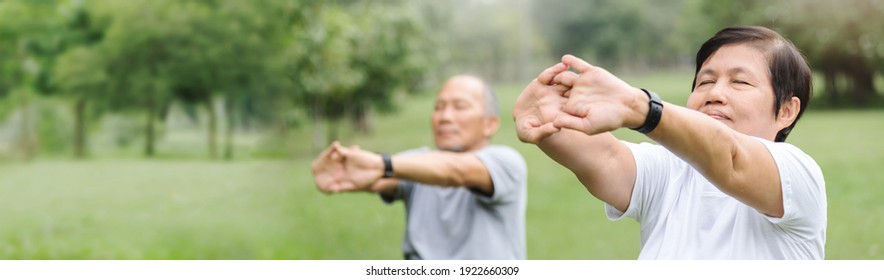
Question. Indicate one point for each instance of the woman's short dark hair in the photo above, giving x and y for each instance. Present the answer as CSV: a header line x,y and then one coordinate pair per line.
x,y
789,73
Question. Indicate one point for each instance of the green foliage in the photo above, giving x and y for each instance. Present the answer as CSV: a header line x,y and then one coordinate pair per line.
x,y
80,72
138,48
498,40
346,60
26,44
629,35
192,52
392,54
356,57
322,59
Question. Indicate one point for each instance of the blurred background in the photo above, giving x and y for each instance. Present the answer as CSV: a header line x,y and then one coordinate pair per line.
x,y
161,129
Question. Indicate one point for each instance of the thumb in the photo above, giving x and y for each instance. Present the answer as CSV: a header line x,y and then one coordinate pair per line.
x,y
565,120
542,132
532,130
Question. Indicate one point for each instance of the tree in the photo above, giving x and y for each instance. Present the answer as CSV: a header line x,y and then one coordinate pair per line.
x,y
846,47
230,54
26,49
321,67
139,49
80,74
347,60
393,57
155,52
79,70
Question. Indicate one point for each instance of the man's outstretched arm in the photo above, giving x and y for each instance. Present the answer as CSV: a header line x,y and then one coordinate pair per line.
x,y
440,168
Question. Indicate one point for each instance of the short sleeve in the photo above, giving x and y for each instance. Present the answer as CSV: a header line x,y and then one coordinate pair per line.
x,y
653,165
804,190
508,172
403,190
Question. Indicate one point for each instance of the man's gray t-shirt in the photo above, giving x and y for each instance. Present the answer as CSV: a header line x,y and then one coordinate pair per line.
x,y
458,223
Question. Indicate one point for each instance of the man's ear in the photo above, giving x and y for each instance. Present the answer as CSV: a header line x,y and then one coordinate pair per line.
x,y
491,125
788,112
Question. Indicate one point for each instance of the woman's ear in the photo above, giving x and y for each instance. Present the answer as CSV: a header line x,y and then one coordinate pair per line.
x,y
788,112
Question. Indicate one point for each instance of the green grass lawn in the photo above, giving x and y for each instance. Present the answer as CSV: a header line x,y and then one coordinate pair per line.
x,y
172,208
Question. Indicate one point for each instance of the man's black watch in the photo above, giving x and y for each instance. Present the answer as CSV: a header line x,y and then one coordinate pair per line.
x,y
388,165
655,110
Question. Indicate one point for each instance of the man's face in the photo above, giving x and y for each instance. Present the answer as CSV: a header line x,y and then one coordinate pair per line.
x,y
459,121
734,87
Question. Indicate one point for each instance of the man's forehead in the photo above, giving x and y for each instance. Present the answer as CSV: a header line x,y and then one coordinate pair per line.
x,y
461,87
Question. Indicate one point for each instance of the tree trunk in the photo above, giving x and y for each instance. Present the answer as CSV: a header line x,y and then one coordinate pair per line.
x,y
80,128
860,80
332,131
831,86
361,119
28,143
318,144
864,86
228,133
149,126
213,128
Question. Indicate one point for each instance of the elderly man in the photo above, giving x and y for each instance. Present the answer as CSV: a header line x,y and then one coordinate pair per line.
x,y
464,200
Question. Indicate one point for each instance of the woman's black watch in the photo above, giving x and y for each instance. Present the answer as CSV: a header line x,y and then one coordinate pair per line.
x,y
655,110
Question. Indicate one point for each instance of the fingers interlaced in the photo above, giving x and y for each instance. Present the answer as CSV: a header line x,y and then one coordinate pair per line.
x,y
546,77
327,168
566,79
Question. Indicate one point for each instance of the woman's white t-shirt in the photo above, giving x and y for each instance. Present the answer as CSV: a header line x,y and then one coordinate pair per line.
x,y
683,216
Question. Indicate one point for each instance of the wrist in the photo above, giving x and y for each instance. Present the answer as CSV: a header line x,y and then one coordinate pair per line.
x,y
652,110
640,108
